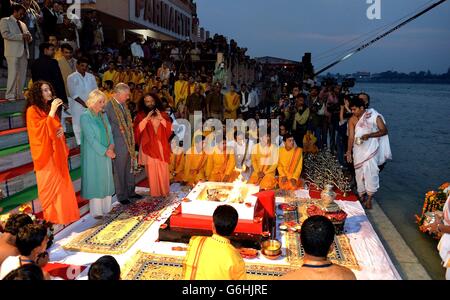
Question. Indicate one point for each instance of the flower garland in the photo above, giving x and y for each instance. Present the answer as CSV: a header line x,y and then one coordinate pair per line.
x,y
126,128
434,201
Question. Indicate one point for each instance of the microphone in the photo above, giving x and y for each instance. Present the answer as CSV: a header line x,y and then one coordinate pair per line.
x,y
64,105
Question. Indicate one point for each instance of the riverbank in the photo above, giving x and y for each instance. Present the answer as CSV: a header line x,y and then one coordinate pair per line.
x,y
419,132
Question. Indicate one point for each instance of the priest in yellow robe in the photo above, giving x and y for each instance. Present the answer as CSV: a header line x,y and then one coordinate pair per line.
x,y
264,163
290,165
137,77
195,162
232,101
214,258
181,89
221,164
111,74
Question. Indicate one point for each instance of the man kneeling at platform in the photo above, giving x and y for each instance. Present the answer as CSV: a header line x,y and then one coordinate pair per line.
x,y
214,258
290,164
317,236
264,163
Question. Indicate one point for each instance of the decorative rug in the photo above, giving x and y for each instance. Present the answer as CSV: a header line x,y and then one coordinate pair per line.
x,y
122,227
342,253
145,266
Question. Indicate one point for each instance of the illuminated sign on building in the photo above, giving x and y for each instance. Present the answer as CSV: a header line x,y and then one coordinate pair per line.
x,y
163,16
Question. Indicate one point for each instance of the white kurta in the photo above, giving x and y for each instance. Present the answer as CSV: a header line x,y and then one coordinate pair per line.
x,y
9,264
366,155
79,86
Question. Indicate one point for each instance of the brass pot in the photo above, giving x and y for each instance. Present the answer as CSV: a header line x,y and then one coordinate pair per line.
x,y
271,248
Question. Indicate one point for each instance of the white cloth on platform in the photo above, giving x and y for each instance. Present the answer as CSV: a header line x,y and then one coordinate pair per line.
x,y
79,86
373,260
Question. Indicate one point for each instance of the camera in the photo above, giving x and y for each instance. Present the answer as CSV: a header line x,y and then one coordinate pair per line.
x,y
348,83
316,106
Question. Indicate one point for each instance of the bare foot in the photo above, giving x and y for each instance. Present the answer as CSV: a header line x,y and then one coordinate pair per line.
x,y
369,203
362,199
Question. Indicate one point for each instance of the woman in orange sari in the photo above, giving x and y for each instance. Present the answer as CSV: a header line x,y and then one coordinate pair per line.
x,y
49,153
154,153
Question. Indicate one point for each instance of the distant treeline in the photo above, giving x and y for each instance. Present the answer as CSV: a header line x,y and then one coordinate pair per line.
x,y
423,77
394,76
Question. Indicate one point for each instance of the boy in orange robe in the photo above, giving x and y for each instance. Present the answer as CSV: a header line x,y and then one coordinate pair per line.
x,y
49,153
290,165
221,163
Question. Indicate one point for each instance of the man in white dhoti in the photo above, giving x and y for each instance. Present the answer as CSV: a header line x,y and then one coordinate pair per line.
x,y
366,129
79,84
443,226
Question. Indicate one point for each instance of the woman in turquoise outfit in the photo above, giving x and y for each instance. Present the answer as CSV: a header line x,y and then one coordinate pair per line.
x,y
97,151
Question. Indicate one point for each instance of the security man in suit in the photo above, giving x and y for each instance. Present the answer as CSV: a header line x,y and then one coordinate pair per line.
x,y
16,39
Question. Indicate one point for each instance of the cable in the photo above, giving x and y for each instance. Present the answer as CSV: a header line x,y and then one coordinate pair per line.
x,y
362,47
375,32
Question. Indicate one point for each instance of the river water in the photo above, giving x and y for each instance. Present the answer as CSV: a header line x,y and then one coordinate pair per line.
x,y
418,120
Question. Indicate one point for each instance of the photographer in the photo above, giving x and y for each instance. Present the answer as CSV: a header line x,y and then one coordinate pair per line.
x,y
317,116
301,118
342,138
331,93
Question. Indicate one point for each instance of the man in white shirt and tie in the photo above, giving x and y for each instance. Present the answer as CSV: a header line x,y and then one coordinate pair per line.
x,y
79,84
16,38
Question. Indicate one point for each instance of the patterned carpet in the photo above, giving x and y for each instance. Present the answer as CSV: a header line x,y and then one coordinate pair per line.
x,y
342,253
122,228
144,266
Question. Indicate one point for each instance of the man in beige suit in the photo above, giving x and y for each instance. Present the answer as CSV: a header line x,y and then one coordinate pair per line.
x,y
67,64
17,37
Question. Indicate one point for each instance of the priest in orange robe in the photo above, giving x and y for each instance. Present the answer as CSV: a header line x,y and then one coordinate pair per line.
x,y
221,163
290,165
155,131
49,153
232,101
